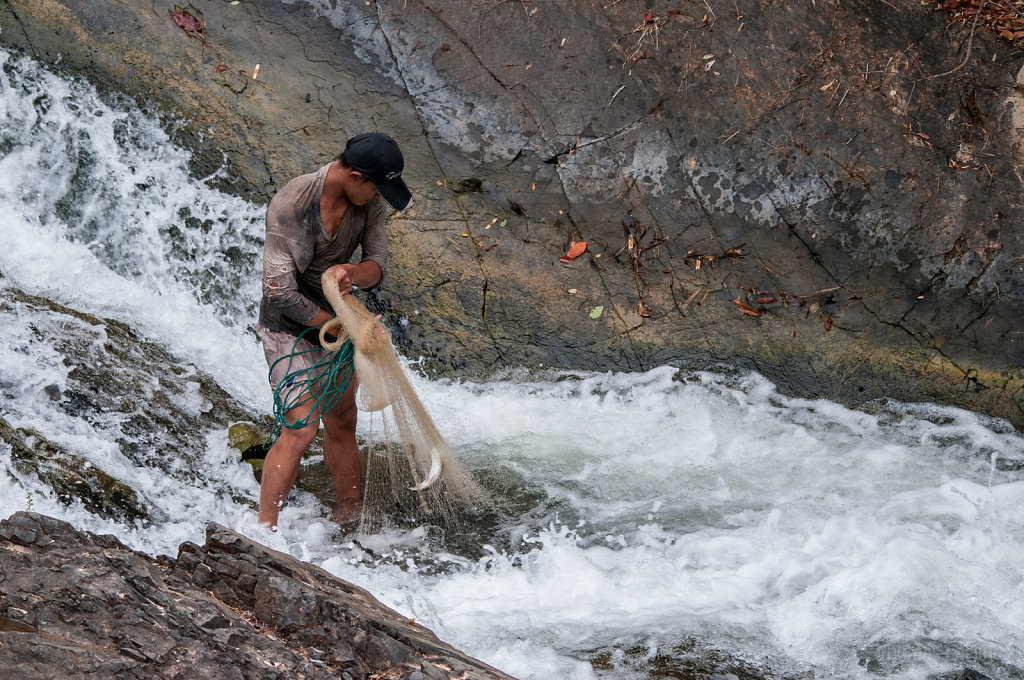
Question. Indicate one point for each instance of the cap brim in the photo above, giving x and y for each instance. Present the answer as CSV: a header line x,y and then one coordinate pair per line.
x,y
395,193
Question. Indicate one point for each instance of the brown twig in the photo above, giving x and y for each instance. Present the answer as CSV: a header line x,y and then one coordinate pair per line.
x,y
970,44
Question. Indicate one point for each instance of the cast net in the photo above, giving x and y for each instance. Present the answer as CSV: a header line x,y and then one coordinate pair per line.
x,y
409,468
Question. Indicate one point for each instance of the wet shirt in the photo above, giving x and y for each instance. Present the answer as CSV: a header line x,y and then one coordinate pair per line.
x,y
298,250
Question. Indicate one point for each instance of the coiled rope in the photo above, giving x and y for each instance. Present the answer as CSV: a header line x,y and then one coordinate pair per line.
x,y
324,383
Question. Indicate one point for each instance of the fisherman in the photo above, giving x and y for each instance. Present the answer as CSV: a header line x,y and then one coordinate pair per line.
x,y
314,224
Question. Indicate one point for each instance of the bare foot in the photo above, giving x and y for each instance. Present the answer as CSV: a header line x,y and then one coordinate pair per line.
x,y
347,513
267,521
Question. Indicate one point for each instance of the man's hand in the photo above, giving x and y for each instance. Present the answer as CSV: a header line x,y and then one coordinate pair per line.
x,y
343,275
366,274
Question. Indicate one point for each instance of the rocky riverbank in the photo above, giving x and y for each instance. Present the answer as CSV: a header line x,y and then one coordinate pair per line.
x,y
821,192
77,605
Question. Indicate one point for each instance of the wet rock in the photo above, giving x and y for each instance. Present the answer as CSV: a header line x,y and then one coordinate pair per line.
x,y
71,477
971,674
134,395
85,606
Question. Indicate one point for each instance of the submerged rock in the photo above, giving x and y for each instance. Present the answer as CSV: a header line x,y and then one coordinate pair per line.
x,y
78,605
72,478
146,407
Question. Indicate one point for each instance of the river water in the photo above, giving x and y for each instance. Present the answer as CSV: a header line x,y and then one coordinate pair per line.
x,y
656,524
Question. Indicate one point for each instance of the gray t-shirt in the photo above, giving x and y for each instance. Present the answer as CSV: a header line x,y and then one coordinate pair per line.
x,y
298,250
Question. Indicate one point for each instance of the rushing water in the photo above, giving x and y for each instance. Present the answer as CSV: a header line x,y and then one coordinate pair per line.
x,y
654,523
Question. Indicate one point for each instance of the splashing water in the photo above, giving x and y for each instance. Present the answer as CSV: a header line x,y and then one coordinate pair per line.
x,y
653,525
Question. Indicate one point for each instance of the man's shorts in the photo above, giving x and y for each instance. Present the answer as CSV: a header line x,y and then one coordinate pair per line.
x,y
277,346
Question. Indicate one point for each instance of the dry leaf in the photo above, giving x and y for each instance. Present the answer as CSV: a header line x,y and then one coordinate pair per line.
x,y
746,309
575,250
642,309
188,22
824,88
220,68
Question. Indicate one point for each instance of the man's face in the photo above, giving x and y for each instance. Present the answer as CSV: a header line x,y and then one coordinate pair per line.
x,y
359,189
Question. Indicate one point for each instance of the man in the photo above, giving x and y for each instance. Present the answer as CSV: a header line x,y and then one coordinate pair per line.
x,y
314,224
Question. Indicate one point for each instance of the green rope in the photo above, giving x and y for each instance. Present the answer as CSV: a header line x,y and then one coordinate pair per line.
x,y
324,383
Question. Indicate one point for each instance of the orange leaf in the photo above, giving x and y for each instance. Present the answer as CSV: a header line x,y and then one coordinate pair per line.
x,y
749,311
575,251
220,68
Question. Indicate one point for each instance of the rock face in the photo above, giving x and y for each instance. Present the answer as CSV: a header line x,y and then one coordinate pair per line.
x,y
813,190
77,605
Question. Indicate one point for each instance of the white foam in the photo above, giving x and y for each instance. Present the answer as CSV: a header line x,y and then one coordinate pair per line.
x,y
95,201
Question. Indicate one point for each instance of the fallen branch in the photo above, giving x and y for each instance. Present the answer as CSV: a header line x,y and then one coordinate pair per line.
x,y
970,44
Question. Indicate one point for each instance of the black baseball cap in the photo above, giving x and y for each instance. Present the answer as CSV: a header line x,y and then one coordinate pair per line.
x,y
377,158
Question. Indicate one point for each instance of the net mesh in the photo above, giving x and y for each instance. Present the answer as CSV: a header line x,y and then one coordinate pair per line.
x,y
410,469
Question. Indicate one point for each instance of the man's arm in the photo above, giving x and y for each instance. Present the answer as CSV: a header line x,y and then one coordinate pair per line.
x,y
280,286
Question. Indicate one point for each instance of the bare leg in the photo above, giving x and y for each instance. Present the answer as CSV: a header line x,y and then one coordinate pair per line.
x,y
281,466
341,455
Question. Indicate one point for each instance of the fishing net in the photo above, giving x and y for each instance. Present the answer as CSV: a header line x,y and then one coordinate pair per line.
x,y
409,467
